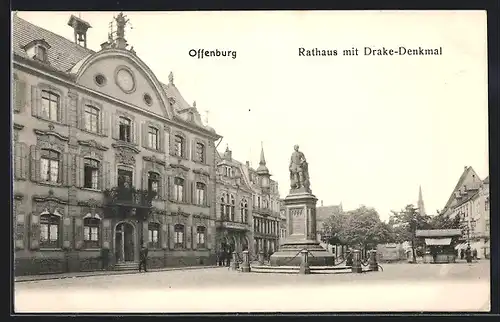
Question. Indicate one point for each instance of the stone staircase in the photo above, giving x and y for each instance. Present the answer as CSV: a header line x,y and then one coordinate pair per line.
x,y
127,266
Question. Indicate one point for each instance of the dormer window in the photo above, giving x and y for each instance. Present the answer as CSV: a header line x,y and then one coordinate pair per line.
x,y
38,50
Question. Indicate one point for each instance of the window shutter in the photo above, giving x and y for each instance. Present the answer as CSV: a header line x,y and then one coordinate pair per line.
x,y
35,153
164,236
144,181
186,194
104,122
66,170
78,227
193,150
194,233
145,142
17,160
106,233
172,144
187,233
35,232
20,227
24,162
79,171
19,95
135,132
185,149
105,174
115,126
81,115
161,139
66,232
35,101
172,237
209,236
160,187
193,192
63,108
171,187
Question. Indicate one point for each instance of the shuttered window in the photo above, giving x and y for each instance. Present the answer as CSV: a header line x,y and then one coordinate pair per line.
x,y
153,233
200,236
49,166
49,231
91,174
153,137
179,146
91,234
179,236
178,189
50,106
92,119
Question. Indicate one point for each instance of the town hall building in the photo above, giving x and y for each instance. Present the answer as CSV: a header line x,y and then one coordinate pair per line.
x,y
106,158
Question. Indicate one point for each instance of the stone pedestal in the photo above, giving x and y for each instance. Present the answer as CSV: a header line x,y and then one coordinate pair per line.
x,y
304,265
300,207
356,262
373,261
245,266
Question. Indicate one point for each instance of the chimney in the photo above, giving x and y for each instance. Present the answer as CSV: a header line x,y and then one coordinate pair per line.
x,y
80,28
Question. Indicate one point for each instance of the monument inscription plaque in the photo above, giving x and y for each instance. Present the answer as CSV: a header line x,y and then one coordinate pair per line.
x,y
297,218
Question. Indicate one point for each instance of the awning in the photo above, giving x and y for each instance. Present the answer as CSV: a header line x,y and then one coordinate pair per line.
x,y
438,241
461,246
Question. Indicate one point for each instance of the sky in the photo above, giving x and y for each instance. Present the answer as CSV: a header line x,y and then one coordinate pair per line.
x,y
373,128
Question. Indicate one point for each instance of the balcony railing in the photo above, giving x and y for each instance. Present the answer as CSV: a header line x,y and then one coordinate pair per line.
x,y
262,211
128,201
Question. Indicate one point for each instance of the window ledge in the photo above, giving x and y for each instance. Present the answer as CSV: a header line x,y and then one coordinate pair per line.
x,y
52,184
93,133
153,150
200,163
41,118
48,249
91,249
91,189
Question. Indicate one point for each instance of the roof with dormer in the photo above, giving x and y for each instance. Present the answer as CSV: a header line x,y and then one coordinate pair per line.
x,y
65,55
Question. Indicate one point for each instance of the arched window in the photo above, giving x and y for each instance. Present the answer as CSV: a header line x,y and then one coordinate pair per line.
x,y
232,208
49,166
153,235
91,174
91,119
200,236
222,207
50,106
178,189
179,236
179,146
200,193
91,232
49,230
154,182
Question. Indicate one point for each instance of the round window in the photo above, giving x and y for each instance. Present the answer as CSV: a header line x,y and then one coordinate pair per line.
x,y
148,99
100,79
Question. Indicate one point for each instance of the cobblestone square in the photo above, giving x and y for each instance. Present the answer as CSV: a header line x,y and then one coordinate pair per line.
x,y
399,287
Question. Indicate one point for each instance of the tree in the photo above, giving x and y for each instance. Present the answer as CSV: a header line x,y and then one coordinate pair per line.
x,y
406,222
332,227
442,221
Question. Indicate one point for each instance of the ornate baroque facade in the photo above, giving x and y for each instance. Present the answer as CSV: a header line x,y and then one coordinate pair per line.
x,y
248,206
105,158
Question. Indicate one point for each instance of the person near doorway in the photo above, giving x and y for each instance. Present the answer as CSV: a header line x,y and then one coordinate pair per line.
x,y
462,253
143,261
474,254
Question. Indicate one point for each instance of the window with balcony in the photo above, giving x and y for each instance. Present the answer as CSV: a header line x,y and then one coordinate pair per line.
x,y
200,193
91,174
91,232
200,236
179,146
91,119
153,182
178,189
49,230
179,236
49,166
200,152
50,106
125,128
125,178
153,137
153,233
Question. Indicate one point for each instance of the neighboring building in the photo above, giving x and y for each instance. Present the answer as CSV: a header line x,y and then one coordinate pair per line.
x,y
323,213
470,200
248,206
282,222
105,158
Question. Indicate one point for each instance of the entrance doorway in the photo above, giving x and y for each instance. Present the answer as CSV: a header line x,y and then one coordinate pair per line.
x,y
124,242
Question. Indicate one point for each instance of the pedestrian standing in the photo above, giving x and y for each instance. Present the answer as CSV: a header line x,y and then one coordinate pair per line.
x,y
143,260
474,254
462,253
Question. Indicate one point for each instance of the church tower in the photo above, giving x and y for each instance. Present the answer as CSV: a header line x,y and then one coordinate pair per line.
x,y
421,207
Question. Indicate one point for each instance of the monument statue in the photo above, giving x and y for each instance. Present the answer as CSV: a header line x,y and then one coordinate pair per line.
x,y
299,174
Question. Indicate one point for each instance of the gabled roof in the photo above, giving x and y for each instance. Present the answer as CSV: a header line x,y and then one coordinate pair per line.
x,y
458,185
470,195
64,54
487,180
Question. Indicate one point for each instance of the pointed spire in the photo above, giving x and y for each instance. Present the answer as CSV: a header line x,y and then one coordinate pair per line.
x,y
421,207
262,158
262,169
